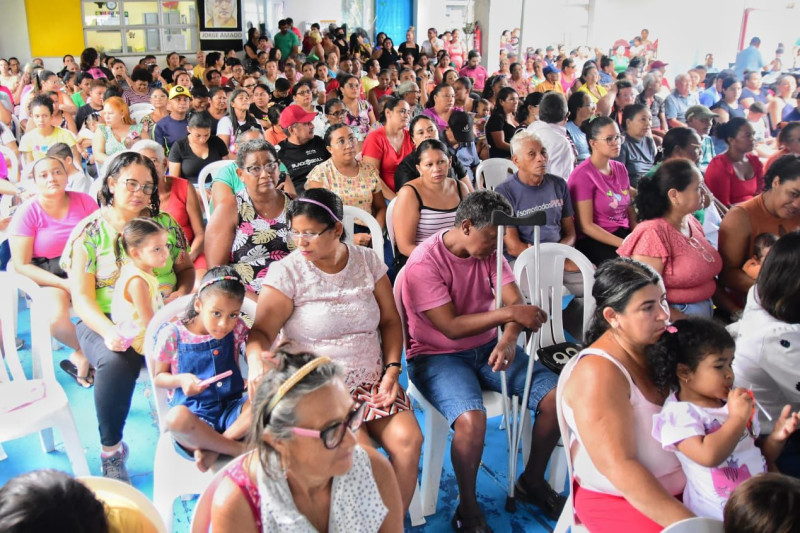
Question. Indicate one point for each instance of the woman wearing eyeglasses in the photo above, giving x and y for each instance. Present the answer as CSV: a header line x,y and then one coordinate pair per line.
x,y
334,114
671,240
92,262
337,298
356,183
601,193
303,95
308,468
250,229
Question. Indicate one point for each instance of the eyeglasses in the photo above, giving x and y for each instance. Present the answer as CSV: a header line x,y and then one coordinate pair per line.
x,y
256,170
249,86
694,243
133,186
615,139
307,237
333,436
302,93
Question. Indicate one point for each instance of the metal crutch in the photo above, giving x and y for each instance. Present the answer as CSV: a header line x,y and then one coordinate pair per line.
x,y
511,406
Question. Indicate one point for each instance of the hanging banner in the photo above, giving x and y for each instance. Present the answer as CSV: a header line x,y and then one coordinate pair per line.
x,y
220,24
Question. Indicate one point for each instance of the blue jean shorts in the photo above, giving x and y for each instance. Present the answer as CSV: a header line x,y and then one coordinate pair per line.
x,y
453,382
224,419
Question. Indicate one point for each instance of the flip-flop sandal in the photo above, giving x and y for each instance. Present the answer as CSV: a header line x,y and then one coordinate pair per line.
x,y
70,368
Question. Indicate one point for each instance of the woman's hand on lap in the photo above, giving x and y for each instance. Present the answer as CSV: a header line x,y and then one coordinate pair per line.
x,y
388,388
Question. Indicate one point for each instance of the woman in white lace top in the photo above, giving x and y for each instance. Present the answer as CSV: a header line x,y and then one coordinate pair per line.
x,y
336,299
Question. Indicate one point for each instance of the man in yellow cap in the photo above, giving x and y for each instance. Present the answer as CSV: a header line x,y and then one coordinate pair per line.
x,y
173,127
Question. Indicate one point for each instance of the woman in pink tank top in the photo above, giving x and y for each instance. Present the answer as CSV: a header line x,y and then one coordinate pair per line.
x,y
622,479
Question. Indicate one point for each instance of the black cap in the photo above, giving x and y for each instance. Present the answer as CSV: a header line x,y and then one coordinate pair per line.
x,y
461,125
199,91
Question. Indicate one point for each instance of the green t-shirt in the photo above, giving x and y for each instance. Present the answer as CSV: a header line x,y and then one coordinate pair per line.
x,y
98,237
285,42
77,98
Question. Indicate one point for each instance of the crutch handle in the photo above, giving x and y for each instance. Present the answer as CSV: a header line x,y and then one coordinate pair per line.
x,y
537,218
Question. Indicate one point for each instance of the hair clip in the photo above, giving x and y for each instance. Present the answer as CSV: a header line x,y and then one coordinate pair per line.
x,y
672,329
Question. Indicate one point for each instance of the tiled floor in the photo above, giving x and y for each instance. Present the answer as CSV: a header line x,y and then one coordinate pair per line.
x,y
141,434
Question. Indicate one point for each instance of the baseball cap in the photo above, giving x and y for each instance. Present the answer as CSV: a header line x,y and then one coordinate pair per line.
x,y
461,125
699,111
179,90
549,49
550,70
658,64
294,114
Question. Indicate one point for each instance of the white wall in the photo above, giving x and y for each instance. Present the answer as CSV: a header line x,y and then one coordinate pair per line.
x,y
14,39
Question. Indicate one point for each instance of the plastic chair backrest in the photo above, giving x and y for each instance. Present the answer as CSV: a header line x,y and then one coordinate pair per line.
x,y
551,285
143,106
139,114
696,525
563,428
201,518
204,180
103,487
13,163
41,349
351,214
399,281
389,225
493,172
173,309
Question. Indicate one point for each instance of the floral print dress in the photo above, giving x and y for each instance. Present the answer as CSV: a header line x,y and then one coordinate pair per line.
x,y
258,241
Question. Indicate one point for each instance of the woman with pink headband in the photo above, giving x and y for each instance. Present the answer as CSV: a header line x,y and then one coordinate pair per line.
x,y
336,298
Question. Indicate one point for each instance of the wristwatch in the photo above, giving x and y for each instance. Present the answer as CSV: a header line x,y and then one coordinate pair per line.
x,y
390,365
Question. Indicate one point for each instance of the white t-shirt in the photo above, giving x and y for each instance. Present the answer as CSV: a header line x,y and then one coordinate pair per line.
x,y
707,489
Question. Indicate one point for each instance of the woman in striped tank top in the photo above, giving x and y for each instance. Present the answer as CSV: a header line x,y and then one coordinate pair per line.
x,y
427,204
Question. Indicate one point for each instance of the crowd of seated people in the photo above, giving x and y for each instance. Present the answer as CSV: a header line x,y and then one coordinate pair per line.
x,y
686,200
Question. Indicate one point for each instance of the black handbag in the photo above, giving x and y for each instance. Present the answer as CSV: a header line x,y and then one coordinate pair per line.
x,y
557,356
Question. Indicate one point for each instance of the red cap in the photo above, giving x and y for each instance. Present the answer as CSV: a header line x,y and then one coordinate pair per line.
x,y
658,64
294,114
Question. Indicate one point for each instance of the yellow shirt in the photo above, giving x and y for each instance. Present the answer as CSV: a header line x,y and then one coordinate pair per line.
x,y
198,72
547,86
368,84
599,88
38,144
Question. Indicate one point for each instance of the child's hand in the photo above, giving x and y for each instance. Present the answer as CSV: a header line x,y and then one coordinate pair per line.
x,y
787,424
191,385
740,404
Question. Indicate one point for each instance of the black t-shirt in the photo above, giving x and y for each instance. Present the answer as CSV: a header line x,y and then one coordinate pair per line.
x,y
300,159
407,170
497,122
388,58
84,112
191,164
404,49
258,113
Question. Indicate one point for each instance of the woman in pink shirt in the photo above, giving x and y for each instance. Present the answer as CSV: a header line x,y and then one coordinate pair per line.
x,y
601,193
38,232
456,49
671,240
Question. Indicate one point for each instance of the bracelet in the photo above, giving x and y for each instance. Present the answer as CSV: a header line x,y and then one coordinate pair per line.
x,y
390,365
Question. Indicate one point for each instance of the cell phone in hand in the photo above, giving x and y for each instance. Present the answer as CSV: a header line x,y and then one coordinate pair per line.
x,y
216,378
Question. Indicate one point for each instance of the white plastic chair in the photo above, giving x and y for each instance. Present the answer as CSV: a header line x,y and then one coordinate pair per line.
x,y
143,106
139,114
103,487
493,172
435,427
50,411
351,214
204,180
174,475
696,525
13,161
389,226
551,283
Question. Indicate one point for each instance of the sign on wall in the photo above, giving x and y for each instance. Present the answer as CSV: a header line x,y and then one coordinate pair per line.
x,y
220,24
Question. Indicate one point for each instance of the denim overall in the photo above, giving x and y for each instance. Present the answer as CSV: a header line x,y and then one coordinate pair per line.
x,y
222,400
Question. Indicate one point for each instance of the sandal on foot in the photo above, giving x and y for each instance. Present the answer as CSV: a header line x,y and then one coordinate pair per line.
x,y
475,525
70,368
544,497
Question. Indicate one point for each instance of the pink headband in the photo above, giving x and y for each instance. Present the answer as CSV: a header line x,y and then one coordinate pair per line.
x,y
215,280
323,206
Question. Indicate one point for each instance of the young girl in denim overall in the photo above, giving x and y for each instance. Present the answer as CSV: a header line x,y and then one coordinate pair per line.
x,y
206,344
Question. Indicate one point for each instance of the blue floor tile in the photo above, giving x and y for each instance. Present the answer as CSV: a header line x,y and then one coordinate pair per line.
x,y
141,434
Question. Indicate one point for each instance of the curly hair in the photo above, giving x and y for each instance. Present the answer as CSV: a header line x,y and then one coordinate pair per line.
x,y
693,340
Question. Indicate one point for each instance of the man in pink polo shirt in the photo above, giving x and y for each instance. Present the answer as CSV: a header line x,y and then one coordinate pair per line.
x,y
473,69
454,352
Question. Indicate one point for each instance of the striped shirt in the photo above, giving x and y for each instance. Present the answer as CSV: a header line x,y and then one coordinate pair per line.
x,y
432,220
